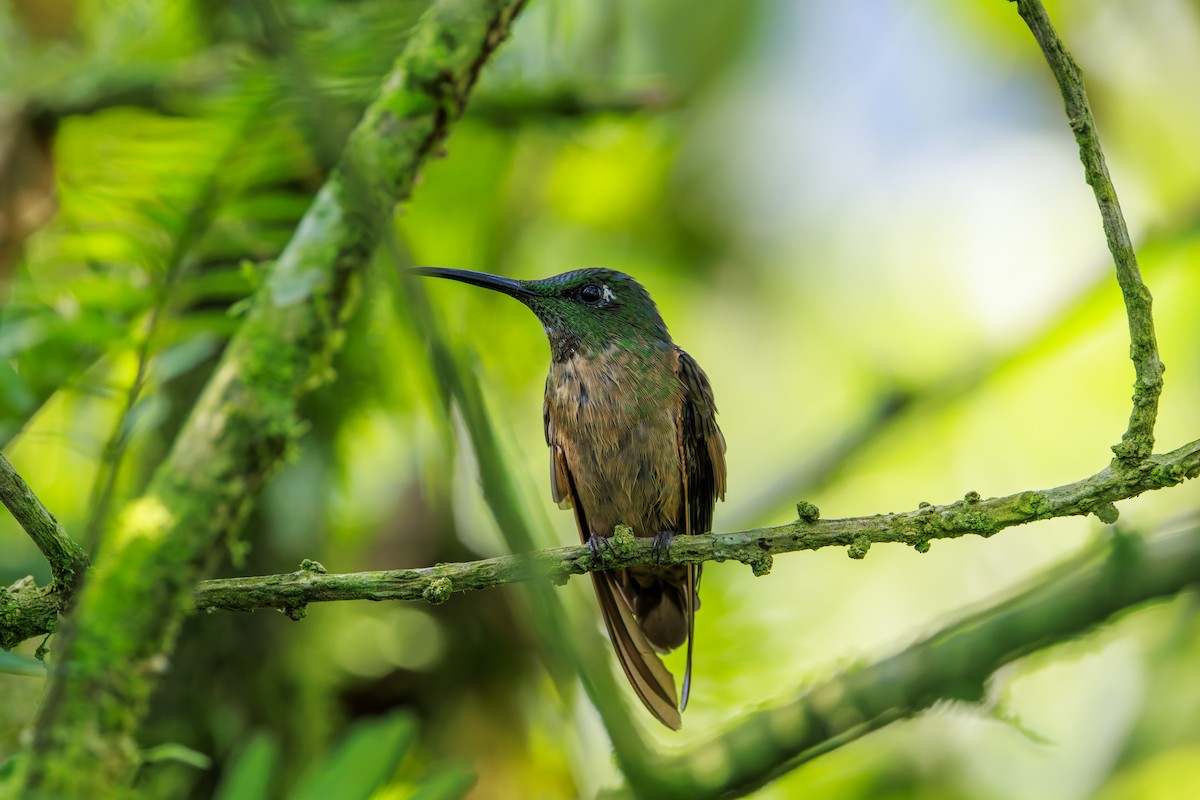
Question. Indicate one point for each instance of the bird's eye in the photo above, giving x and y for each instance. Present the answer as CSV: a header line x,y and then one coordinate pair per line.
x,y
590,293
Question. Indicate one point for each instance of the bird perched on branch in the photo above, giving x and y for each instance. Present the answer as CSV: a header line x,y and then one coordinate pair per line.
x,y
631,425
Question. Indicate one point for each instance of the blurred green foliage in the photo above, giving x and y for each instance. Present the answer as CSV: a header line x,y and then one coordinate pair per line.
x,y
358,769
835,205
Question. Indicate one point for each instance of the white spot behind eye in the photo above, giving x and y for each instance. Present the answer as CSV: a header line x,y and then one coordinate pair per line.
x,y
606,294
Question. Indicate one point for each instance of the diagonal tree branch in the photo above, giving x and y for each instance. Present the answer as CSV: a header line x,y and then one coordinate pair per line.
x,y
68,561
128,613
1138,440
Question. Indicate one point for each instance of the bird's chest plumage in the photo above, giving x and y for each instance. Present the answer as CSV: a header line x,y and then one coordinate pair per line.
x,y
615,416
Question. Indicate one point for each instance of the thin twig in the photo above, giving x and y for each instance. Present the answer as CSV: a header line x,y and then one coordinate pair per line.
x,y
1138,440
830,459
67,559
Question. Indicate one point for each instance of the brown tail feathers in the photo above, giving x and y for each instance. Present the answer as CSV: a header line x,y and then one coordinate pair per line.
x,y
651,681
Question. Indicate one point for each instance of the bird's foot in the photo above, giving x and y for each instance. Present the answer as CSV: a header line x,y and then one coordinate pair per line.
x,y
598,544
662,545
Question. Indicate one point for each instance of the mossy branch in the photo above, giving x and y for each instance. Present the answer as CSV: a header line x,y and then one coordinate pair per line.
x,y
1066,601
67,559
128,613
972,515
27,610
1138,440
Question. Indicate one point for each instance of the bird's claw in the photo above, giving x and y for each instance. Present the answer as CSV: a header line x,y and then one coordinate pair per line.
x,y
597,544
662,545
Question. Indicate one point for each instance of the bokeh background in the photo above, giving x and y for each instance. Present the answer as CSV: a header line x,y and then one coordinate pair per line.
x,y
866,220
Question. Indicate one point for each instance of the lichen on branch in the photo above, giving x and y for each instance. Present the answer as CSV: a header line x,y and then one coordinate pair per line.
x,y
971,515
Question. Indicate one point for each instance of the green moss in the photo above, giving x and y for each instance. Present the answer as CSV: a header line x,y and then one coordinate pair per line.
x,y
622,542
558,575
1168,474
1034,505
11,617
760,562
977,522
556,569
438,591
859,549
807,512
920,527
1106,513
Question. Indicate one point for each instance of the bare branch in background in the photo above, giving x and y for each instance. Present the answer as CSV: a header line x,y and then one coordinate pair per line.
x,y
1138,440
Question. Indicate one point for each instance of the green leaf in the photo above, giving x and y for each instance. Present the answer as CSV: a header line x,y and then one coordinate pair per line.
x,y
9,771
250,776
173,751
452,784
363,763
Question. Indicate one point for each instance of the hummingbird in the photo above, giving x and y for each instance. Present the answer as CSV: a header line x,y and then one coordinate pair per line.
x,y
631,424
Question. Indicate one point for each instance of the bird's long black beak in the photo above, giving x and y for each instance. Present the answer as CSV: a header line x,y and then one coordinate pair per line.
x,y
496,283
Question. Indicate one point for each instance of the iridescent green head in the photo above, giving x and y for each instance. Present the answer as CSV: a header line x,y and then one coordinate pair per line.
x,y
585,311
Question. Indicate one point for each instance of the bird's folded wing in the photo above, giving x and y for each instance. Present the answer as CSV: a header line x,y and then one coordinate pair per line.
x,y
702,456
651,681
